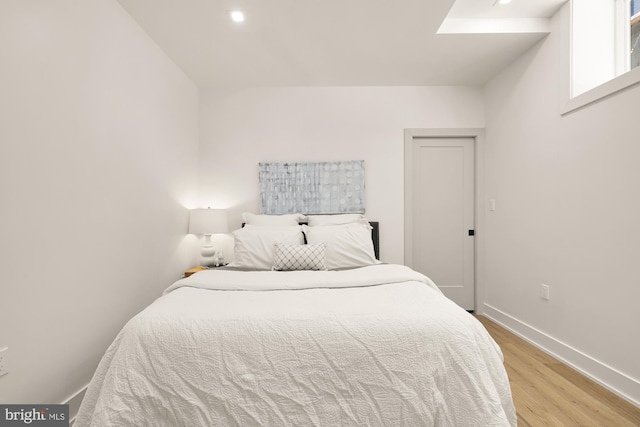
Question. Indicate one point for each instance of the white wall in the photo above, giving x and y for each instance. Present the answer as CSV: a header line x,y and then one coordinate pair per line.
x,y
98,155
241,128
566,191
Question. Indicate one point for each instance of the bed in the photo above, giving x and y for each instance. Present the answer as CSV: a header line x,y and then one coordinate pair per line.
x,y
372,345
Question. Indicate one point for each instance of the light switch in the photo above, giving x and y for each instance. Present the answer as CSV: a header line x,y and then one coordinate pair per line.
x,y
492,205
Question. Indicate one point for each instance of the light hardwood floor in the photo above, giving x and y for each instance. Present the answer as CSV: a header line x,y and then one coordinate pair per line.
x,y
547,392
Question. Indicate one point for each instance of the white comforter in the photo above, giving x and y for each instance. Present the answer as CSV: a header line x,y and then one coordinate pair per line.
x,y
375,346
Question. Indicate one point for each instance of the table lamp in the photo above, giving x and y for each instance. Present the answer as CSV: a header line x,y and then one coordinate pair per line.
x,y
208,222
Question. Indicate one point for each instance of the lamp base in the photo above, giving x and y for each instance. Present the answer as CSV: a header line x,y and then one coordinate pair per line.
x,y
208,256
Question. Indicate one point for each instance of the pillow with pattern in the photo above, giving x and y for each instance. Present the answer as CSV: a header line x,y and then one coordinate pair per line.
x,y
299,257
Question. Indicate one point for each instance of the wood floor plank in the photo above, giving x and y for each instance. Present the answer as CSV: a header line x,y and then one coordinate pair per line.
x,y
620,406
558,391
547,392
541,398
529,409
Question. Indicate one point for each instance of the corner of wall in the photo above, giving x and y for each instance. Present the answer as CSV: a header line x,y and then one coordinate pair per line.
x,y
608,377
74,403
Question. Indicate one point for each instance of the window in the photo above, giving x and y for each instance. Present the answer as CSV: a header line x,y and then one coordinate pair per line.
x,y
605,49
635,34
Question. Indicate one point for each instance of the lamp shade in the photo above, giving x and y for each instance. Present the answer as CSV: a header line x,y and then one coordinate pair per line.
x,y
208,221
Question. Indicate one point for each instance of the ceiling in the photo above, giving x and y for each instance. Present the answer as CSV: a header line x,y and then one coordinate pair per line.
x,y
343,42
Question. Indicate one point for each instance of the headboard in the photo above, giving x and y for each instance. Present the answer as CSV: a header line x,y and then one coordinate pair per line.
x,y
375,236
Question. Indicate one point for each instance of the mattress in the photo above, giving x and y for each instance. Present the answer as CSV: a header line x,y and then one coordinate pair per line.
x,y
372,346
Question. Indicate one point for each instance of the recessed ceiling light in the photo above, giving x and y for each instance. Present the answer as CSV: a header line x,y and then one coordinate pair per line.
x,y
502,2
237,16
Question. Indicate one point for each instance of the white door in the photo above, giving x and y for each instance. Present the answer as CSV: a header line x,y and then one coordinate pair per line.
x,y
442,214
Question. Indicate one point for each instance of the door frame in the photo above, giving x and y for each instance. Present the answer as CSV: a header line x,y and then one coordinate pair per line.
x,y
478,136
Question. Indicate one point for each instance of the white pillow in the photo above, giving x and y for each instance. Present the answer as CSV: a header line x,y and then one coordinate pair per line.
x,y
272,220
253,245
316,220
348,245
299,257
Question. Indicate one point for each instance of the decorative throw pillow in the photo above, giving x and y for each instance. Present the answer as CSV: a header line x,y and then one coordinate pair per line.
x,y
299,257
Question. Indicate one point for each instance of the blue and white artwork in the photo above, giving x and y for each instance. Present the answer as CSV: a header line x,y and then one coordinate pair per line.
x,y
312,187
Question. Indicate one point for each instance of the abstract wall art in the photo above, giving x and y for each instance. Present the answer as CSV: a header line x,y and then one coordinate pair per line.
x,y
312,187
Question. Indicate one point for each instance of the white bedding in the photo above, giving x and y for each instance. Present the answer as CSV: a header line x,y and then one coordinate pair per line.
x,y
387,350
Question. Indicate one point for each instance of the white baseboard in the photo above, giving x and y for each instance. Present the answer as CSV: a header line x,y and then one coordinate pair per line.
x,y
619,383
74,404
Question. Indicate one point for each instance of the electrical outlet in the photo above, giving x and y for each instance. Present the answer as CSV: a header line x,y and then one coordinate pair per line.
x,y
544,292
4,369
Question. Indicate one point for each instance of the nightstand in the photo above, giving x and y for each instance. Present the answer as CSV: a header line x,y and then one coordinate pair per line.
x,y
199,268
193,270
